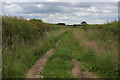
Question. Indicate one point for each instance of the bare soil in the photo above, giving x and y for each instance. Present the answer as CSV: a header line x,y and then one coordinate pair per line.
x,y
78,72
35,71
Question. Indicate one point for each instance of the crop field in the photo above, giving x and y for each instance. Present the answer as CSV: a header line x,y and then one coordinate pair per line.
x,y
56,51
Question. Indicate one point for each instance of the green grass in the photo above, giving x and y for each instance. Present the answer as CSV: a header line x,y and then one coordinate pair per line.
x,y
18,30
83,69
24,42
16,64
88,51
101,65
59,64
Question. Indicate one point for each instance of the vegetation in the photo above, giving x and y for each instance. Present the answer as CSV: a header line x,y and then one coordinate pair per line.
x,y
23,45
95,46
59,64
109,26
97,49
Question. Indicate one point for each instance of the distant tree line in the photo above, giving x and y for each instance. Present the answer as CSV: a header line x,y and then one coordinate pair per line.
x,y
74,25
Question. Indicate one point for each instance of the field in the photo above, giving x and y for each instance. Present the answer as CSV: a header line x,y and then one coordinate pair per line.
x,y
91,50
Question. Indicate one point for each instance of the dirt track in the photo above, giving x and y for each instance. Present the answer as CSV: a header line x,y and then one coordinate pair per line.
x,y
77,70
35,71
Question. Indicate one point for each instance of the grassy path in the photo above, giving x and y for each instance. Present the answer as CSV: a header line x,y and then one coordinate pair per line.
x,y
62,63
74,57
59,64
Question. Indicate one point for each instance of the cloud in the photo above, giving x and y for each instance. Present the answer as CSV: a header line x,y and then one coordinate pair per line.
x,y
68,12
12,9
106,11
80,14
39,5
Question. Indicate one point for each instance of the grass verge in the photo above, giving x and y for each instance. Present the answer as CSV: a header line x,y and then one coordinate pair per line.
x,y
102,61
16,63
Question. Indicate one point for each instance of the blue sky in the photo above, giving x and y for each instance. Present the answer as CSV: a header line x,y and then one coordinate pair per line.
x,y
68,12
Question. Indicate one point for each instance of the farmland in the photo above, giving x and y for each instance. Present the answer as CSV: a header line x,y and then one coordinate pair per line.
x,y
93,48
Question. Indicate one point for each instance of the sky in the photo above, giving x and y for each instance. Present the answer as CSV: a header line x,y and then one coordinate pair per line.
x,y
55,11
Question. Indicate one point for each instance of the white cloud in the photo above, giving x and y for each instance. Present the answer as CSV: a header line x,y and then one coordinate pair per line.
x,y
96,21
106,11
92,8
8,3
57,14
80,13
12,9
64,17
61,22
34,14
51,15
39,5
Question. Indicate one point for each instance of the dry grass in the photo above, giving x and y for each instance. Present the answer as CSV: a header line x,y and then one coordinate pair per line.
x,y
83,38
98,53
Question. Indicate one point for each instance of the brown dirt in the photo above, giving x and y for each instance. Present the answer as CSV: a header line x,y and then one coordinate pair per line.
x,y
35,71
77,72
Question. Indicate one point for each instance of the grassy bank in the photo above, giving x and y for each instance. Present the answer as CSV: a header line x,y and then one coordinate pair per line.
x,y
98,51
24,42
17,63
59,64
17,30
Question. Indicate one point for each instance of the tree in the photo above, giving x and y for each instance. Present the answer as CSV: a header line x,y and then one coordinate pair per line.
x,y
84,25
61,24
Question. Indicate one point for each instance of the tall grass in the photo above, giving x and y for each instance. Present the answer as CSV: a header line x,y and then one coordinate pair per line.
x,y
97,49
109,26
14,29
23,44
